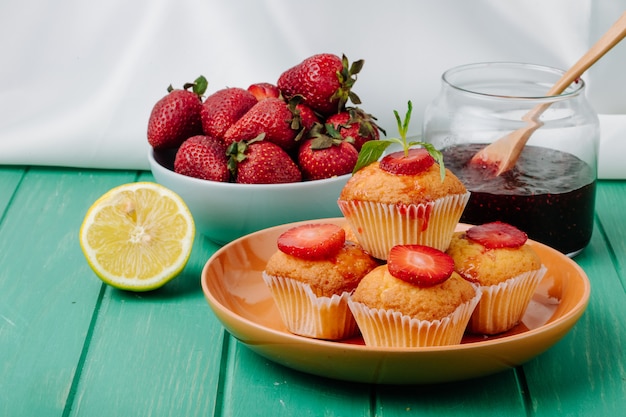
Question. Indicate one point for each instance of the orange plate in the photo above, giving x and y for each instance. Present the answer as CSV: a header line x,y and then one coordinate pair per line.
x,y
236,292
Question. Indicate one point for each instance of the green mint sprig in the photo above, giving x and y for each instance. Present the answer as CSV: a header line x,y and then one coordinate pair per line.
x,y
372,150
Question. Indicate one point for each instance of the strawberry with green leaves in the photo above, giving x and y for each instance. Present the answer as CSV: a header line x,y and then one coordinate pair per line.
x,y
324,81
304,118
354,123
261,162
326,154
223,108
176,117
203,157
408,161
271,116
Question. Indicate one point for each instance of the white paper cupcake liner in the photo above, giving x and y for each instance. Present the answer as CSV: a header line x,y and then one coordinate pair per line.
x,y
379,227
306,314
502,306
389,328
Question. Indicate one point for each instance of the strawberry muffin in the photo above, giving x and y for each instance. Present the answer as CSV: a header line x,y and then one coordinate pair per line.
x,y
415,300
403,199
508,270
311,276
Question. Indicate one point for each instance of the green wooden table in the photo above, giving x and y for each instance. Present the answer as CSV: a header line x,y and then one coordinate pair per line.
x,y
71,346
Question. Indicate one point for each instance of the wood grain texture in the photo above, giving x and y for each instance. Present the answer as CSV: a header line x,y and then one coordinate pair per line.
x,y
72,346
47,292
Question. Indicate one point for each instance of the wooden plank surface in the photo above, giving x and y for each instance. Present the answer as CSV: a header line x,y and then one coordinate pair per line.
x,y
46,303
71,346
584,374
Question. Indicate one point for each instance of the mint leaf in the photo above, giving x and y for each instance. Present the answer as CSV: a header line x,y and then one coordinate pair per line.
x,y
370,152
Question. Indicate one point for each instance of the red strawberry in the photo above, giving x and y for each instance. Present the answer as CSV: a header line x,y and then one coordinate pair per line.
x,y
264,90
324,157
304,118
203,157
307,116
418,160
497,235
324,81
176,116
223,108
261,162
312,241
420,265
270,116
356,124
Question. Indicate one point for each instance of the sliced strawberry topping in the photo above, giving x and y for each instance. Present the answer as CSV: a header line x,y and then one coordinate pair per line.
x,y
312,241
420,265
497,235
417,160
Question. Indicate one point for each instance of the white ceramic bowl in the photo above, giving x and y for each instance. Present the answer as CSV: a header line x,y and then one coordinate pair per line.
x,y
226,211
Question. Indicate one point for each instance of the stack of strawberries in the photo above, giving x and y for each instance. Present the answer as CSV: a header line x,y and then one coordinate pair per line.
x,y
299,129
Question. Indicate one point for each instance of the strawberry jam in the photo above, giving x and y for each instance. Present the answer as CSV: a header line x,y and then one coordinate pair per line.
x,y
549,194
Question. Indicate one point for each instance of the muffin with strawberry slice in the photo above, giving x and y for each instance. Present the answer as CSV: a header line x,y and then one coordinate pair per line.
x,y
497,257
311,276
407,197
415,300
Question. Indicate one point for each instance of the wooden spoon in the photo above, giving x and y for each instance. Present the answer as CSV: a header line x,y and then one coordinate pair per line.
x,y
503,153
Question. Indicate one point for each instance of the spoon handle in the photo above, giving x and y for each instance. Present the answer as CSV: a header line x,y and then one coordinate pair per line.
x,y
612,37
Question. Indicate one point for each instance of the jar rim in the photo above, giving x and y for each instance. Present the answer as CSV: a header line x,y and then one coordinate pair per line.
x,y
541,70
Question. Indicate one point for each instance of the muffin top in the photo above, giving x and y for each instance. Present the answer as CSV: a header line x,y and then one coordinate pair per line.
x,y
334,275
379,289
485,266
371,183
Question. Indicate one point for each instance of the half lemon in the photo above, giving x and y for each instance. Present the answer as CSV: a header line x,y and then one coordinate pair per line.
x,y
137,236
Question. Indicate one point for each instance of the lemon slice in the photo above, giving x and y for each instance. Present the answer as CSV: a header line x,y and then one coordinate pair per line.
x,y
137,236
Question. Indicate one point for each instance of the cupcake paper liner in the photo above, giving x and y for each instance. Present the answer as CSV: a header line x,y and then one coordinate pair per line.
x,y
502,306
378,227
389,328
309,315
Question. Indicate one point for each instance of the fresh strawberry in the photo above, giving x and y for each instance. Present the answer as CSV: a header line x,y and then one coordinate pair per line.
x,y
203,157
176,116
324,81
223,108
304,118
307,116
497,235
312,241
356,124
326,155
399,163
264,90
270,116
420,265
261,162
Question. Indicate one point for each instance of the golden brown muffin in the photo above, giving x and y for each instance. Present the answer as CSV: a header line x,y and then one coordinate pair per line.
x,y
374,184
379,289
507,277
385,209
327,277
393,313
312,295
490,267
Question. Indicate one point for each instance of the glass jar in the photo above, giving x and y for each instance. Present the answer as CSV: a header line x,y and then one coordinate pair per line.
x,y
550,192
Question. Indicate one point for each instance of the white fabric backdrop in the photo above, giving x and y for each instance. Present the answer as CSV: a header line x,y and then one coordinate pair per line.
x,y
78,79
